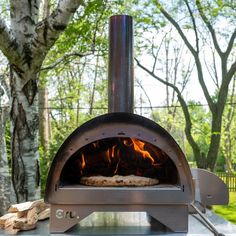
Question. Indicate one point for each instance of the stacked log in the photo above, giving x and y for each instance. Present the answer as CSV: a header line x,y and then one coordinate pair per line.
x,y
24,216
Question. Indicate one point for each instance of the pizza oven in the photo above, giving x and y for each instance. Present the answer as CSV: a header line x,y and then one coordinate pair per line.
x,y
124,144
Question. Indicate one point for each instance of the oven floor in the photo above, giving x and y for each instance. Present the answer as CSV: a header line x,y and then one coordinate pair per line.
x,y
135,224
165,186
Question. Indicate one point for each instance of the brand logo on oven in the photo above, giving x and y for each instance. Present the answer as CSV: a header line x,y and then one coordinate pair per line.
x,y
61,214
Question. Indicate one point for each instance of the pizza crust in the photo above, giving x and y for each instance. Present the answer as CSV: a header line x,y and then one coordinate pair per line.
x,y
118,180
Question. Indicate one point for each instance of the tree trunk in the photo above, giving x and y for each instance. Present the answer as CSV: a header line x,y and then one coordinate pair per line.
x,y
5,184
24,121
215,141
91,101
5,181
44,126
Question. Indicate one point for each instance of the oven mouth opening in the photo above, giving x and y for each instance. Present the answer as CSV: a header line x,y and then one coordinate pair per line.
x,y
119,156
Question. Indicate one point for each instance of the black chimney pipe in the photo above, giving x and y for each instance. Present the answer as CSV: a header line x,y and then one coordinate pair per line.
x,y
120,71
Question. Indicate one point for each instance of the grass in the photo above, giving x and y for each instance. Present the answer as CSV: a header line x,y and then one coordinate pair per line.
x,y
228,212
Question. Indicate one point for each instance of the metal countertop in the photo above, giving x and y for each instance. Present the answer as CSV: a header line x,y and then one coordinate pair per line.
x,y
135,224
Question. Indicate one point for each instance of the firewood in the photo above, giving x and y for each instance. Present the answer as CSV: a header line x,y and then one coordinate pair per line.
x,y
23,226
5,217
37,202
22,213
20,207
44,214
26,227
19,221
40,206
11,230
25,206
24,216
10,221
32,216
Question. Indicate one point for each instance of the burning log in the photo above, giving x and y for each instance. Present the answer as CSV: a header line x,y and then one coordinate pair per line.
x,y
24,216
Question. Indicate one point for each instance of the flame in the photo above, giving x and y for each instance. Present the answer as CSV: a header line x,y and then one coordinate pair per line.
x,y
113,151
115,155
139,147
83,161
117,167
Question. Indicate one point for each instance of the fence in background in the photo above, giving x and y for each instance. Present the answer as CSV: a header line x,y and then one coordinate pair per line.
x,y
229,179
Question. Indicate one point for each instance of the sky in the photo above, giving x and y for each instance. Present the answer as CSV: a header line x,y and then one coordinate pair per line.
x,y
157,91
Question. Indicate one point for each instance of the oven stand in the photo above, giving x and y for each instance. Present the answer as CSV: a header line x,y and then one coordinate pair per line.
x,y
65,216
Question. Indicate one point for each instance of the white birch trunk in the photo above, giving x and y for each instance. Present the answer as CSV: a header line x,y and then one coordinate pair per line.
x,y
25,157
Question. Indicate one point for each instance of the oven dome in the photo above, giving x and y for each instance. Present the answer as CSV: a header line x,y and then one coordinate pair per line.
x,y
119,125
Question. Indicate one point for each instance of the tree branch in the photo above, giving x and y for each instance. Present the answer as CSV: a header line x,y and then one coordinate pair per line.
x,y
209,26
148,98
226,76
194,53
177,27
188,123
8,44
231,43
155,55
60,60
231,72
194,24
158,78
49,30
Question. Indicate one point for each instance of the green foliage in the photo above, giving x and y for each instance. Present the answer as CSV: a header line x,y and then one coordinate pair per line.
x,y
228,212
44,168
228,134
201,125
59,135
8,143
85,34
172,120
4,9
220,165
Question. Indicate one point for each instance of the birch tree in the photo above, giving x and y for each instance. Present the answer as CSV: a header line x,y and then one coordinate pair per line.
x,y
25,41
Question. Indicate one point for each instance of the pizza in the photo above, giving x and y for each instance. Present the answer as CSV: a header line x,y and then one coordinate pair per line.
x,y
118,180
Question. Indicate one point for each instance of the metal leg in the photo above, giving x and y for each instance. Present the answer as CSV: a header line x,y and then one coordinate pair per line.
x,y
175,217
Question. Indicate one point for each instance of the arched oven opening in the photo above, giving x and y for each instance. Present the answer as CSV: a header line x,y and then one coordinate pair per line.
x,y
123,156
